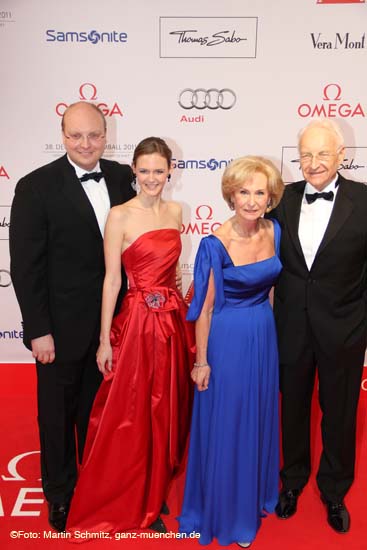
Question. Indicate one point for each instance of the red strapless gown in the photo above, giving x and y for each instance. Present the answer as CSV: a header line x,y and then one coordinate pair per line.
x,y
140,419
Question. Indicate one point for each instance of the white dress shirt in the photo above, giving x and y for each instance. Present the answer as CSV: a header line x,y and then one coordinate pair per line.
x,y
97,194
313,221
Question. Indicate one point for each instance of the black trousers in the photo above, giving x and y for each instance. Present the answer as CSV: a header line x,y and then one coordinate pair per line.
x,y
65,392
340,377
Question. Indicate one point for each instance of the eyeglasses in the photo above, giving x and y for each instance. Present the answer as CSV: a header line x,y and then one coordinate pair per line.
x,y
323,156
93,137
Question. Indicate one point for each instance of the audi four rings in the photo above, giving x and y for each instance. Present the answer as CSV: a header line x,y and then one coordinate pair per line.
x,y
5,279
207,99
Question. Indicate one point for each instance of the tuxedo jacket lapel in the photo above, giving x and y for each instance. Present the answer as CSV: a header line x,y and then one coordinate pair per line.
x,y
292,209
73,189
343,208
112,188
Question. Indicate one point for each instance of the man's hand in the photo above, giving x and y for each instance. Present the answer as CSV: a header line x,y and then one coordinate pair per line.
x,y
43,349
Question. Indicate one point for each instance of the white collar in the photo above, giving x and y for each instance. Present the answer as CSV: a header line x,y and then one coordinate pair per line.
x,y
330,187
81,171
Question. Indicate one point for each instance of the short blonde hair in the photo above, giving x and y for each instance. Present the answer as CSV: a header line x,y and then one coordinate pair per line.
x,y
243,169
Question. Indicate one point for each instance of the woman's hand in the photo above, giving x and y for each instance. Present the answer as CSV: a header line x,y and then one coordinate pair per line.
x,y
104,358
201,375
178,278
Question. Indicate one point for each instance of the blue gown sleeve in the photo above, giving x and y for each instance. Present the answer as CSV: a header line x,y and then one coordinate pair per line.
x,y
207,259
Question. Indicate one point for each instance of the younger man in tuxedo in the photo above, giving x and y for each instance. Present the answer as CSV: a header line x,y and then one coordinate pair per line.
x,y
57,267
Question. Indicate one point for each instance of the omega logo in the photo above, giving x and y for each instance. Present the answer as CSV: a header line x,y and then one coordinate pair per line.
x,y
207,208
13,465
22,499
332,93
3,172
338,91
204,225
93,95
88,92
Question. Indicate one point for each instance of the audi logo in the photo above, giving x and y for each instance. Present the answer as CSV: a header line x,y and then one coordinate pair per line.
x,y
5,279
207,99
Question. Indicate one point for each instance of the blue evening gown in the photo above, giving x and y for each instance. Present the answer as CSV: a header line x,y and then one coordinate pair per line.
x,y
233,465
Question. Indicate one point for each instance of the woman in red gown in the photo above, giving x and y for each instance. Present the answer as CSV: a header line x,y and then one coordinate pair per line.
x,y
140,419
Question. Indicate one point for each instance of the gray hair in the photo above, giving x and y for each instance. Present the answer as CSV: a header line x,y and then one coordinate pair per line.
x,y
327,124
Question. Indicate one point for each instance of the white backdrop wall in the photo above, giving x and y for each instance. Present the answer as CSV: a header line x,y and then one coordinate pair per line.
x,y
278,63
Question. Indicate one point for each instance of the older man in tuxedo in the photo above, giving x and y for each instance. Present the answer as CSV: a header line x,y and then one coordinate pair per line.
x,y
57,266
320,309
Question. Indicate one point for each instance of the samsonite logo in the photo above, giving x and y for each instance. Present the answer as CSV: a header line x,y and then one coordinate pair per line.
x,y
91,37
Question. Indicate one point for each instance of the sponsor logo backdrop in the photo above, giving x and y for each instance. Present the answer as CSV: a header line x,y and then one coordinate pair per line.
x,y
217,81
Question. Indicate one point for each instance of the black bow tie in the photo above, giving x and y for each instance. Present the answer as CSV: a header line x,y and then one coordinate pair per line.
x,y
311,197
92,176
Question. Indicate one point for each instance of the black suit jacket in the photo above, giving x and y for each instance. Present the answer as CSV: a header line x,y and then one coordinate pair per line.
x,y
332,295
56,249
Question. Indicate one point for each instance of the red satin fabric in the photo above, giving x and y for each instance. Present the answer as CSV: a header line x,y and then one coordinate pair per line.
x,y
140,419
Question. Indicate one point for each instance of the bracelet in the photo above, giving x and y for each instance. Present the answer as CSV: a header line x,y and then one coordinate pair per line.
x,y
201,365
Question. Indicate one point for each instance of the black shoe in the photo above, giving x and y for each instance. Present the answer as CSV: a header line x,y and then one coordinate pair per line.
x,y
337,515
287,503
57,515
158,526
165,509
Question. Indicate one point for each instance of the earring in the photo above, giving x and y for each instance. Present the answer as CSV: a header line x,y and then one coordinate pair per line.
x,y
133,183
269,206
169,178
230,204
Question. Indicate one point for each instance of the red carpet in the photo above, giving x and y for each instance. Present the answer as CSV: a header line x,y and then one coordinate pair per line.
x,y
23,512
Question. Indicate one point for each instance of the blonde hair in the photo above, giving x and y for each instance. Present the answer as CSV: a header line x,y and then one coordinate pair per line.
x,y
243,169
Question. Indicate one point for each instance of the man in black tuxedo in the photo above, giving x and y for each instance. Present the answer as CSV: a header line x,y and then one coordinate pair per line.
x,y
320,310
57,267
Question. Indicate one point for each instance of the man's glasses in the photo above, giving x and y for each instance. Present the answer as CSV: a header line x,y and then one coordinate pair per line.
x,y
93,137
323,156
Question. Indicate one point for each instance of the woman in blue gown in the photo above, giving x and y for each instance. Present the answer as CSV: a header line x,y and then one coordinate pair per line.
x,y
232,473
